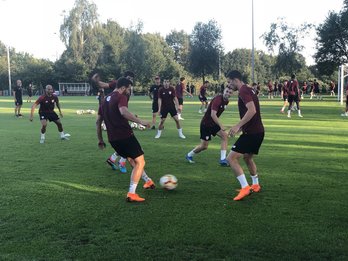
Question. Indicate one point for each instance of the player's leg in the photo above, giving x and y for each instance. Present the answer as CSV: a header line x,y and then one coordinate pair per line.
x,y
199,148
56,120
161,125
43,130
178,126
224,142
249,161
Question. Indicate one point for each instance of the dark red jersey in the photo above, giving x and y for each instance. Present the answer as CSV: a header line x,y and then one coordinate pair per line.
x,y
246,95
179,89
47,103
218,104
293,87
167,95
202,91
117,126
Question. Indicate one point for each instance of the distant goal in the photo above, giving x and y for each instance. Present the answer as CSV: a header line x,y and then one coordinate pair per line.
x,y
342,81
71,88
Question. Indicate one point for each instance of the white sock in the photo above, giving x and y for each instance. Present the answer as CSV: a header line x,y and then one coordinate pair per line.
x,y
159,132
299,112
191,153
180,131
255,179
132,187
113,157
42,136
145,177
179,115
242,180
61,134
223,154
122,160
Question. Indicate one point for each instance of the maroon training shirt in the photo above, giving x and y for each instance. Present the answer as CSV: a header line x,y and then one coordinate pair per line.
x,y
217,104
117,126
47,103
167,96
246,95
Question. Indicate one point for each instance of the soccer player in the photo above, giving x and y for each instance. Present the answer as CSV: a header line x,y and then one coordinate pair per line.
x,y
167,103
332,88
30,92
316,90
249,143
284,95
179,92
211,126
270,89
202,96
153,93
47,103
111,86
293,95
114,111
18,98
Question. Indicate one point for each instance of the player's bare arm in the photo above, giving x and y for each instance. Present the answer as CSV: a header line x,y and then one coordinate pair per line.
x,y
101,143
32,111
131,117
216,119
159,106
176,102
60,112
246,118
96,79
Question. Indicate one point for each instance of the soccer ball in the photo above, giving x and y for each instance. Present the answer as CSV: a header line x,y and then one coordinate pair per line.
x,y
169,182
141,127
134,125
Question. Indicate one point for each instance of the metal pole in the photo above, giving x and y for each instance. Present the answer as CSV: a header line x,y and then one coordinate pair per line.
x,y
342,83
252,50
9,70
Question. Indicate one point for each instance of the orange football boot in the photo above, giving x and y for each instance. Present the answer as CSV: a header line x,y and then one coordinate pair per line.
x,y
243,193
132,197
149,185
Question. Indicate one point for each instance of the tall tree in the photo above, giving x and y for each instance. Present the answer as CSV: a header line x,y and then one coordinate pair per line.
x,y
179,41
205,49
285,41
332,42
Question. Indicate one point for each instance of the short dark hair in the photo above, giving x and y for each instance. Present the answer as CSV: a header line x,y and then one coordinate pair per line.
x,y
235,75
206,81
182,79
128,73
293,76
123,82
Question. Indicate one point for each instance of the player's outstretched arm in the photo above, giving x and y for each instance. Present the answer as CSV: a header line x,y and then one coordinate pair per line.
x,y
32,111
96,79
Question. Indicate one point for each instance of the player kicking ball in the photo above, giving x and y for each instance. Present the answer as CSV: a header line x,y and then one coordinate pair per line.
x,y
47,103
211,126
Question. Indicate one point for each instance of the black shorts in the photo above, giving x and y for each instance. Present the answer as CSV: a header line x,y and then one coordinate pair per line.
x,y
19,102
207,132
347,100
285,98
154,107
316,91
248,143
165,112
30,94
51,116
181,101
202,99
293,98
127,148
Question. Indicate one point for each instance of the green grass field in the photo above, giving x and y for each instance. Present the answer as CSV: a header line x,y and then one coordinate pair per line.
x,y
61,201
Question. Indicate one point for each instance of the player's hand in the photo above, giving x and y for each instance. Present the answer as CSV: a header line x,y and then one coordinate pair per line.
x,y
234,130
31,118
95,78
146,124
61,114
101,145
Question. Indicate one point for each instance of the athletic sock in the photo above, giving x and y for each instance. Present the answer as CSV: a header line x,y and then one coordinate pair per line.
x,y
61,134
191,153
180,131
255,179
122,160
242,180
145,177
113,157
223,154
42,136
132,187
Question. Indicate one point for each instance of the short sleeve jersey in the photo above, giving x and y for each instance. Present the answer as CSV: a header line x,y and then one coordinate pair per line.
x,y
18,92
167,95
202,91
218,104
47,103
293,87
246,95
154,90
180,90
117,126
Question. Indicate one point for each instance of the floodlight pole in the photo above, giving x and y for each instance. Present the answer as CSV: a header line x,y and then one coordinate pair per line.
x,y
9,70
252,50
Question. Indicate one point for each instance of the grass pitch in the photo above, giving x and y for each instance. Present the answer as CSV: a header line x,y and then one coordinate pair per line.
x,y
60,201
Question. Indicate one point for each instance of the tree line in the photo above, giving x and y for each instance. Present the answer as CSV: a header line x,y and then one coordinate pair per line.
x,y
108,48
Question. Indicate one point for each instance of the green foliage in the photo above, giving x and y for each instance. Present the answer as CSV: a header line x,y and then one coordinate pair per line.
x,y
332,42
61,201
205,49
179,41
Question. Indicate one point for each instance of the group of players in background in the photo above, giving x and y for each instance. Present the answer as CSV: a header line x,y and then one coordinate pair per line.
x,y
167,99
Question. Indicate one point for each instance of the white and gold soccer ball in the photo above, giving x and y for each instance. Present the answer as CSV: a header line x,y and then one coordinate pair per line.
x,y
169,182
